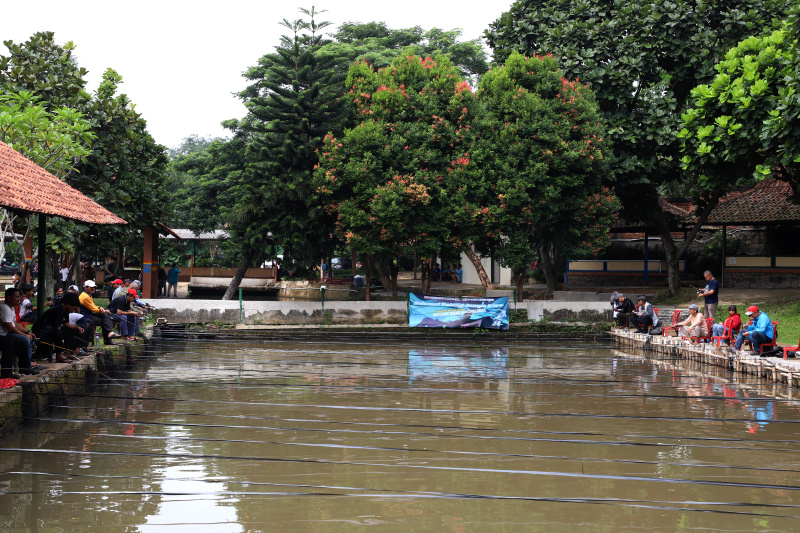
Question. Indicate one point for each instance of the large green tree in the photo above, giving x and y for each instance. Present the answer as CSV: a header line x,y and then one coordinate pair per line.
x,y
545,152
125,169
384,180
292,102
747,120
379,45
642,60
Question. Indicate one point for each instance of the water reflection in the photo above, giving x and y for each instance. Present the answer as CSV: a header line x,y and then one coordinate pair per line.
x,y
332,436
447,364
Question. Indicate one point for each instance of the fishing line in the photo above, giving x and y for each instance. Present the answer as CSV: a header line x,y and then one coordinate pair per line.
x,y
401,433
426,426
445,452
400,491
190,456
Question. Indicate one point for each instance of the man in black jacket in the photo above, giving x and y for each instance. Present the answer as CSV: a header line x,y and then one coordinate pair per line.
x,y
622,309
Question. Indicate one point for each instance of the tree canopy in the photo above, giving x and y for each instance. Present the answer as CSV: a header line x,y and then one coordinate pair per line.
x,y
747,120
641,59
384,180
546,155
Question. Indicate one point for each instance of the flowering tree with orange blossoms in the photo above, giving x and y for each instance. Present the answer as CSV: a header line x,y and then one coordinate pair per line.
x,y
386,179
544,162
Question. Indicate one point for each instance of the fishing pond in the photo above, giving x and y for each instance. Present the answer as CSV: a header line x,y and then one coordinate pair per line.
x,y
331,434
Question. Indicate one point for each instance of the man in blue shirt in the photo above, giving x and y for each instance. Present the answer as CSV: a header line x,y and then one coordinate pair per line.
x,y
759,332
172,279
711,295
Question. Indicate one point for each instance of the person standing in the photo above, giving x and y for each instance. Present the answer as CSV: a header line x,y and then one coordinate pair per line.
x,y
64,276
172,279
710,294
162,281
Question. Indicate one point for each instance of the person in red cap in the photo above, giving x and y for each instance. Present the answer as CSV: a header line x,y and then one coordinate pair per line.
x,y
116,284
758,331
126,316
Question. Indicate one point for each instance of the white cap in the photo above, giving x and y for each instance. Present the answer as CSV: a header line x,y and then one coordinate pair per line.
x,y
89,283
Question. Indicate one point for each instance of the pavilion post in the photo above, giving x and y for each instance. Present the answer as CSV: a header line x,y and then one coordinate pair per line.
x,y
27,249
150,263
41,292
724,242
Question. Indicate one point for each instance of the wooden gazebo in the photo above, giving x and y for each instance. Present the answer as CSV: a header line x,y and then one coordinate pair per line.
x,y
25,187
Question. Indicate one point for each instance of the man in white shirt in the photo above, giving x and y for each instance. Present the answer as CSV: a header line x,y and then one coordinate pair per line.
x,y
16,341
64,275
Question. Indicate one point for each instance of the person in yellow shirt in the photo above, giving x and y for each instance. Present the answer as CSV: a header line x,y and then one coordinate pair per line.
x,y
95,315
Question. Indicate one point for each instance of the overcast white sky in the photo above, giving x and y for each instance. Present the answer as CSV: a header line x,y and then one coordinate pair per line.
x,y
180,61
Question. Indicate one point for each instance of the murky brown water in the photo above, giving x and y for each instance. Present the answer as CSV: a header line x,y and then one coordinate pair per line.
x,y
233,437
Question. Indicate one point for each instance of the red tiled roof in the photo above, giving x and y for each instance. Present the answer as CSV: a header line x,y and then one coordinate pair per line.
x,y
766,202
25,186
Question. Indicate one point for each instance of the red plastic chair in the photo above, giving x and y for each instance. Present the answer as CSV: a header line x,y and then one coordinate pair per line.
x,y
20,323
676,316
655,312
788,349
727,335
774,342
707,338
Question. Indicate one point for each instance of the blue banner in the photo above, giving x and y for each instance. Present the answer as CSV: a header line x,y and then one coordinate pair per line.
x,y
427,311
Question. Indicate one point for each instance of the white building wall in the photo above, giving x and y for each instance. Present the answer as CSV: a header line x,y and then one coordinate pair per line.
x,y
502,275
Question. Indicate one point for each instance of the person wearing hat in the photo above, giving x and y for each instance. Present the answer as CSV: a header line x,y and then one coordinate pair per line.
x,y
643,315
121,307
94,314
114,285
622,308
732,324
694,327
759,330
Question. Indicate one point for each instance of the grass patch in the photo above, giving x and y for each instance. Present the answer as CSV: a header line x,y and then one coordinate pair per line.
x,y
683,296
787,313
785,310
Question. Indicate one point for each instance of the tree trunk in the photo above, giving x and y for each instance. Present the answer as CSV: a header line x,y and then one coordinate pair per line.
x,y
388,273
674,252
368,272
476,262
426,275
75,270
519,279
247,258
49,287
548,254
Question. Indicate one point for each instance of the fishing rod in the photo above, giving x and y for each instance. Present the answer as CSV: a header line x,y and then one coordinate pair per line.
x,y
95,369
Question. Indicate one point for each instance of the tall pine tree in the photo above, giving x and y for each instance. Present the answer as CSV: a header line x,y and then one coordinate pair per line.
x,y
293,102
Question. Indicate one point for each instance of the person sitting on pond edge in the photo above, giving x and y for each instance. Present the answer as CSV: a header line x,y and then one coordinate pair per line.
x,y
733,324
94,314
695,325
644,315
759,330
621,307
